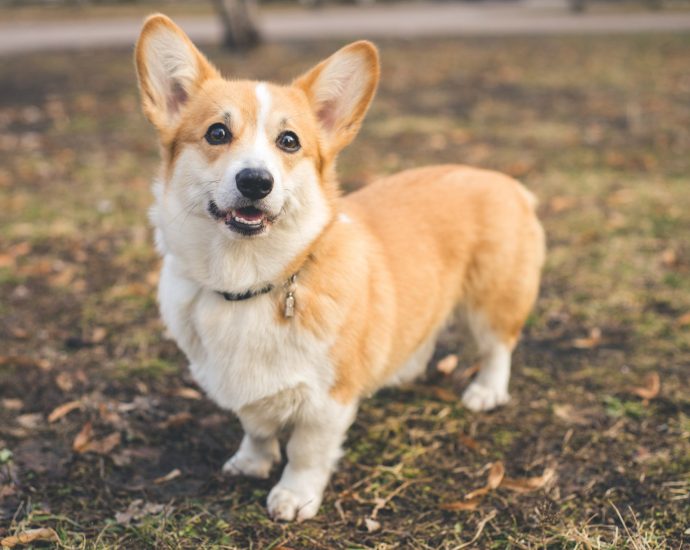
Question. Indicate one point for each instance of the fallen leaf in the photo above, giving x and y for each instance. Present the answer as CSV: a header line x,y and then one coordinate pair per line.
x,y
213,420
152,277
496,474
443,394
684,320
467,505
519,168
529,484
102,446
651,388
448,364
24,361
98,335
6,261
64,381
110,416
12,404
560,204
30,420
187,393
63,410
372,525
176,420
29,536
125,456
168,477
19,333
20,249
477,493
128,290
469,372
82,438
568,414
669,258
588,343
471,443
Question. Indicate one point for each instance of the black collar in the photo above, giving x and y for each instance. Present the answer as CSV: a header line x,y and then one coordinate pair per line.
x,y
240,296
251,293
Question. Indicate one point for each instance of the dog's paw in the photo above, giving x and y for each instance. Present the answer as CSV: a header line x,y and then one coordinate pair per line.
x,y
250,464
288,505
481,398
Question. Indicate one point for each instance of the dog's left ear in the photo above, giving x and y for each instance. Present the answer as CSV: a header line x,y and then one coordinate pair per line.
x,y
340,90
170,70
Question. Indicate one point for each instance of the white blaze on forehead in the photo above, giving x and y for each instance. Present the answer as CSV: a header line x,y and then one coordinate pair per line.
x,y
264,98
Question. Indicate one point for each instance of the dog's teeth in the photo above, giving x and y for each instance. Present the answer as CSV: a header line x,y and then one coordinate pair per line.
x,y
247,222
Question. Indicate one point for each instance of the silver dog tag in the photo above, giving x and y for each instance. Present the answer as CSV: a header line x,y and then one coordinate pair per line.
x,y
290,305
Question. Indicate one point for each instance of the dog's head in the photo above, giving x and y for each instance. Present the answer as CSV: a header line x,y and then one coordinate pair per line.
x,y
245,159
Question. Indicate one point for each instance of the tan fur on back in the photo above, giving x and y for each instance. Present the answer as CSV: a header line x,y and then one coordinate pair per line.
x,y
424,241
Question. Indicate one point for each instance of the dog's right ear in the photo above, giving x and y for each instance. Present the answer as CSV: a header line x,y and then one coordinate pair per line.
x,y
170,70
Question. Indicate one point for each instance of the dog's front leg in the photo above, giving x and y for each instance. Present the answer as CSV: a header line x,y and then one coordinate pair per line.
x,y
259,449
313,451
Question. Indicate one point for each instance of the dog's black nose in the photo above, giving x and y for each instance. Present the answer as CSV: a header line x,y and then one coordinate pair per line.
x,y
254,183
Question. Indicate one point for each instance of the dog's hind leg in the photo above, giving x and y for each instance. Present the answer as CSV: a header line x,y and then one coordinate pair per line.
x,y
490,388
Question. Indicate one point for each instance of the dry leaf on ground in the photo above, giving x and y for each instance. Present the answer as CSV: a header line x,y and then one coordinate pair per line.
x,y
496,474
448,364
471,444
168,477
82,438
12,404
29,536
372,525
30,421
442,394
469,372
175,420
592,341
187,393
63,410
98,335
570,415
528,484
466,505
651,388
102,446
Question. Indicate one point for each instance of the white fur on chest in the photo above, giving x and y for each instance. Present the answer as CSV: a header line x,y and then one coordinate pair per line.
x,y
239,353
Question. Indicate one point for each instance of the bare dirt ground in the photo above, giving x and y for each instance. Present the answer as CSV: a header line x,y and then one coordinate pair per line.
x,y
105,439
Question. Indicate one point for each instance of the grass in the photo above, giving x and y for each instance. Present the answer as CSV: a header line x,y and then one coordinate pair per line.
x,y
597,127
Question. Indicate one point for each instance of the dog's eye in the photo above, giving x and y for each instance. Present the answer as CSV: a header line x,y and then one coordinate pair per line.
x,y
288,142
218,134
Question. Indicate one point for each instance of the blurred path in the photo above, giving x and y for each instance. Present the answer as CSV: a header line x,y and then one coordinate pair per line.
x,y
401,20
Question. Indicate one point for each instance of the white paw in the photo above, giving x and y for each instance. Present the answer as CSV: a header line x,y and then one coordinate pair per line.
x,y
481,398
287,505
250,464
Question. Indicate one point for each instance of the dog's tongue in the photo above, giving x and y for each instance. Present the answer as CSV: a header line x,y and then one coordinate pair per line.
x,y
250,213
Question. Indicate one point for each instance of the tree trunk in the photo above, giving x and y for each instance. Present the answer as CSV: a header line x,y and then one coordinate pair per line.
x,y
578,6
239,22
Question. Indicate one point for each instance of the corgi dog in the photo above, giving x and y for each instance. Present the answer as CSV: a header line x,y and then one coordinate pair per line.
x,y
293,302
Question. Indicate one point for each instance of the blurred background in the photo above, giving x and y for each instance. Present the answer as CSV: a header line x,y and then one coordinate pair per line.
x,y
106,442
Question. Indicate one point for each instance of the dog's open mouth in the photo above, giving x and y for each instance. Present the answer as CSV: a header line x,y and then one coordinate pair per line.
x,y
247,220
